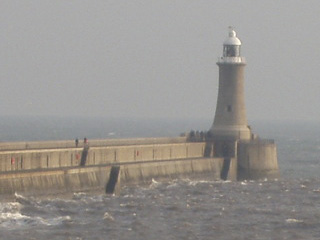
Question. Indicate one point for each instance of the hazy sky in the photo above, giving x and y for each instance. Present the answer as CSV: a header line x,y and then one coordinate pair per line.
x,y
156,59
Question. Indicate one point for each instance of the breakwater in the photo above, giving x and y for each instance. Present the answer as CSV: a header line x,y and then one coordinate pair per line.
x,y
61,166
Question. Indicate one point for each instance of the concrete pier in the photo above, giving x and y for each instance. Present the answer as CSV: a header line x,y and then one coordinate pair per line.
x,y
110,166
65,169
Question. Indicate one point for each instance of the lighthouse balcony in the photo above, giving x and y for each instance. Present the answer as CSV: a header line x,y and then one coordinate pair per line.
x,y
232,60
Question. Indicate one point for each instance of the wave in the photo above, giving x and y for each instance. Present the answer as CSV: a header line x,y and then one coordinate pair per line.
x,y
108,216
24,213
14,220
22,200
154,184
293,220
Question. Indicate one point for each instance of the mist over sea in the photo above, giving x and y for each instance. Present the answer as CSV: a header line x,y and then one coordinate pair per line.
x,y
286,208
62,128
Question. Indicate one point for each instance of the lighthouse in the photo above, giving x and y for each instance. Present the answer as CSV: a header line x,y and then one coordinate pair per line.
x,y
244,154
230,121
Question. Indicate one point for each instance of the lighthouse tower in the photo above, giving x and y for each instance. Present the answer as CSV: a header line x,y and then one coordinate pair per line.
x,y
230,122
245,155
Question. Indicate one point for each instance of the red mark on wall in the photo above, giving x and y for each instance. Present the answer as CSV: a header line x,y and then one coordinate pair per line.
x,y
13,160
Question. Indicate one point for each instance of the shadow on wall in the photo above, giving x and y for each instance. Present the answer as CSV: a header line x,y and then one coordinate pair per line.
x,y
84,155
113,179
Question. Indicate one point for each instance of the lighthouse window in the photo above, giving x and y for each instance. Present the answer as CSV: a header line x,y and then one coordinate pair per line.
x,y
229,108
231,51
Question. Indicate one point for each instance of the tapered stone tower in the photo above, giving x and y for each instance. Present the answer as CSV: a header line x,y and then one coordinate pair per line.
x,y
230,120
245,154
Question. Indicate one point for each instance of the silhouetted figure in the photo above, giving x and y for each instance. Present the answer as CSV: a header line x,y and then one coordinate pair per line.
x,y
201,136
208,136
84,154
77,142
192,135
225,150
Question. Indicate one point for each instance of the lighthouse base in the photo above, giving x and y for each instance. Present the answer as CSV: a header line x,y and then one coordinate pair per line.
x,y
257,159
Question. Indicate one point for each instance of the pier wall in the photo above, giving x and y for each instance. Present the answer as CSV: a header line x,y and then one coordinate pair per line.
x,y
17,160
58,170
96,177
54,181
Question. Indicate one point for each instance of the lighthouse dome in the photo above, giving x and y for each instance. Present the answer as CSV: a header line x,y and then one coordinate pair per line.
x,y
232,38
232,49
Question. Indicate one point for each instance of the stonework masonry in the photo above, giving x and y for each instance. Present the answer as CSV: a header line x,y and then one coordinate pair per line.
x,y
230,132
39,171
60,169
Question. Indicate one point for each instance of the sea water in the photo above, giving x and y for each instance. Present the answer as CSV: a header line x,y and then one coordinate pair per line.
x,y
284,208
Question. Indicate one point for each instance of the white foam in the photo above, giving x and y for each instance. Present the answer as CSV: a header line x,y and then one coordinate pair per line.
x,y
154,184
227,181
10,213
128,196
108,216
10,207
293,220
79,195
194,183
13,220
54,221
21,199
11,216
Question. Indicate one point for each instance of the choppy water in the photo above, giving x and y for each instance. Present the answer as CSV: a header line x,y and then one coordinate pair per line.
x,y
287,208
180,209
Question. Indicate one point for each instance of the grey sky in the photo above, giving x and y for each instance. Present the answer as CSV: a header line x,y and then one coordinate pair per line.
x,y
156,59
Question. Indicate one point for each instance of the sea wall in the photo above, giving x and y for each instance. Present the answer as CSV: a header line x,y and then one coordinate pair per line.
x,y
55,170
188,168
105,165
54,181
18,160
97,177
